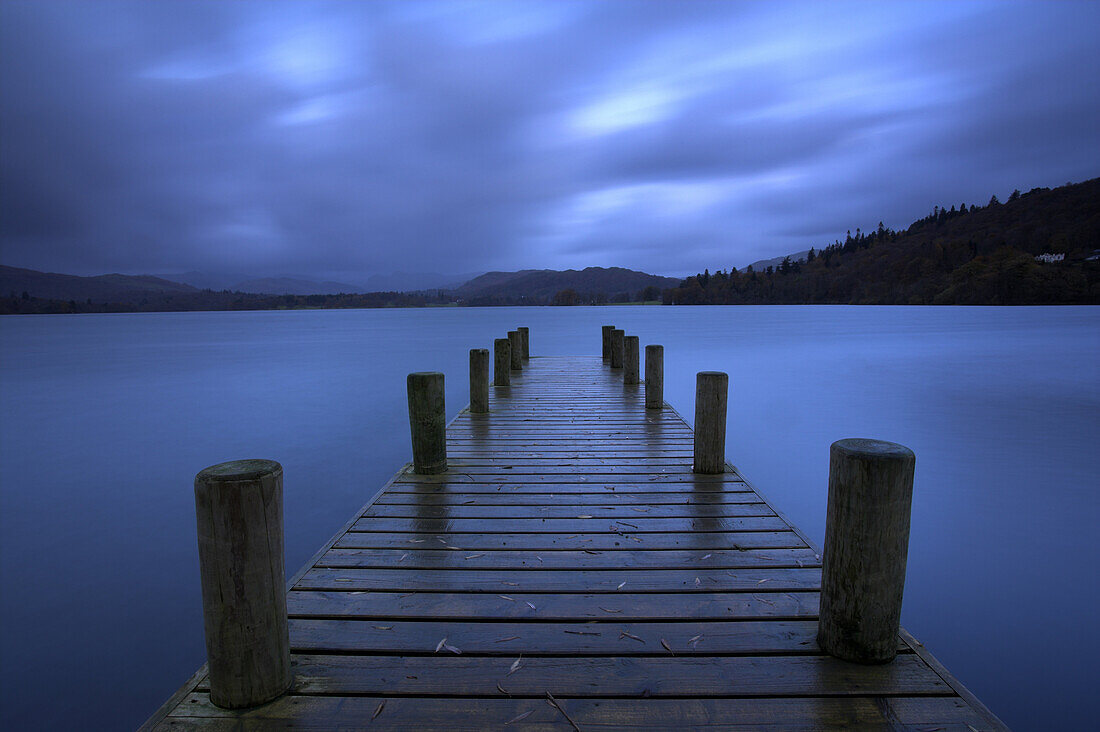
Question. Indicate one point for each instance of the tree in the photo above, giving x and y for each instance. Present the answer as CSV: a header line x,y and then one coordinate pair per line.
x,y
567,296
785,265
993,200
1015,195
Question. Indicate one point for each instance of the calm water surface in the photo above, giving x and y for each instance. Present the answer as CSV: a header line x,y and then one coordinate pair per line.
x,y
105,419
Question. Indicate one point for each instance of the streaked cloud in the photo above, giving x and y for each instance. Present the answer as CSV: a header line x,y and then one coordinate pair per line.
x,y
341,139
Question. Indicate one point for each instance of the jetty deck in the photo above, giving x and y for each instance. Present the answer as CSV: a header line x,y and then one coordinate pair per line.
x,y
570,571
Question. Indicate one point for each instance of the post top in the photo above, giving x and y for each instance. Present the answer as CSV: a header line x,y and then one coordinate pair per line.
x,y
418,375
479,350
869,449
500,340
236,470
709,374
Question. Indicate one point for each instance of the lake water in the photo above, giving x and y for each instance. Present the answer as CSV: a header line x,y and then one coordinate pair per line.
x,y
105,419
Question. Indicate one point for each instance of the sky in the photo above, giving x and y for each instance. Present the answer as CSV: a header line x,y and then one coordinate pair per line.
x,y
338,140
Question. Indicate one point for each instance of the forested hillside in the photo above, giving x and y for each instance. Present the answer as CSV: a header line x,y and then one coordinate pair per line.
x,y
961,255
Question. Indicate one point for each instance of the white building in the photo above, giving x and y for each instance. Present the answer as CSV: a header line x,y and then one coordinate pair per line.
x,y
1049,258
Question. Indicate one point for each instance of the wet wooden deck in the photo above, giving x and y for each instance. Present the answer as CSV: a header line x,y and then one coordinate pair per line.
x,y
569,571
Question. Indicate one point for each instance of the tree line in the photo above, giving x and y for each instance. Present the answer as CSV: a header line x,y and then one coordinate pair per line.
x,y
962,255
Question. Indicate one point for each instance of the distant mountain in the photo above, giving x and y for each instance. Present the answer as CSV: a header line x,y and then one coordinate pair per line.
x,y
294,285
543,285
104,288
281,285
1037,248
763,264
414,281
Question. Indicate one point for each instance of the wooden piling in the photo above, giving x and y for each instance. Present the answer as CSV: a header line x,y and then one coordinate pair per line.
x,y
630,359
427,420
239,513
654,377
516,342
502,362
711,389
479,380
617,348
866,545
525,335
606,331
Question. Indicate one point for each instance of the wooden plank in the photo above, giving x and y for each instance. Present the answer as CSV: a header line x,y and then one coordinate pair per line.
x,y
554,580
884,714
561,526
607,638
619,558
576,541
623,606
584,676
566,511
600,498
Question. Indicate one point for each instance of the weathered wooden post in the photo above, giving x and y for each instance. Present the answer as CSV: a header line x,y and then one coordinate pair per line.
x,y
711,388
516,342
654,377
866,545
428,422
525,335
239,512
617,348
630,359
607,341
479,380
502,362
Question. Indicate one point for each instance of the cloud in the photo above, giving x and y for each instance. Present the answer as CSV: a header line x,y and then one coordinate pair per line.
x,y
342,139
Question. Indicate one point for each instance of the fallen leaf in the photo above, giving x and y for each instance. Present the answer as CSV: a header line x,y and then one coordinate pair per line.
x,y
624,634
521,717
538,557
403,557
439,646
696,581
584,516
580,632
378,710
766,579
475,556
607,610
621,585
510,584
505,640
452,649
383,627
667,646
530,605
505,597
707,556
501,689
515,666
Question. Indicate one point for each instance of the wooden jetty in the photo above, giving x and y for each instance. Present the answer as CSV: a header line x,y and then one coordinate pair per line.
x,y
569,570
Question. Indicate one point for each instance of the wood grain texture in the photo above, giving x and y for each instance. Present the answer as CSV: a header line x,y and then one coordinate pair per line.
x,y
866,545
239,512
571,548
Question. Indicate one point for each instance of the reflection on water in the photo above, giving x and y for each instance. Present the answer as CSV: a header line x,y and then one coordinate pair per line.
x,y
105,419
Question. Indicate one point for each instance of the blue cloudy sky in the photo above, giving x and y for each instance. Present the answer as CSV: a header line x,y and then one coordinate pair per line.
x,y
341,139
